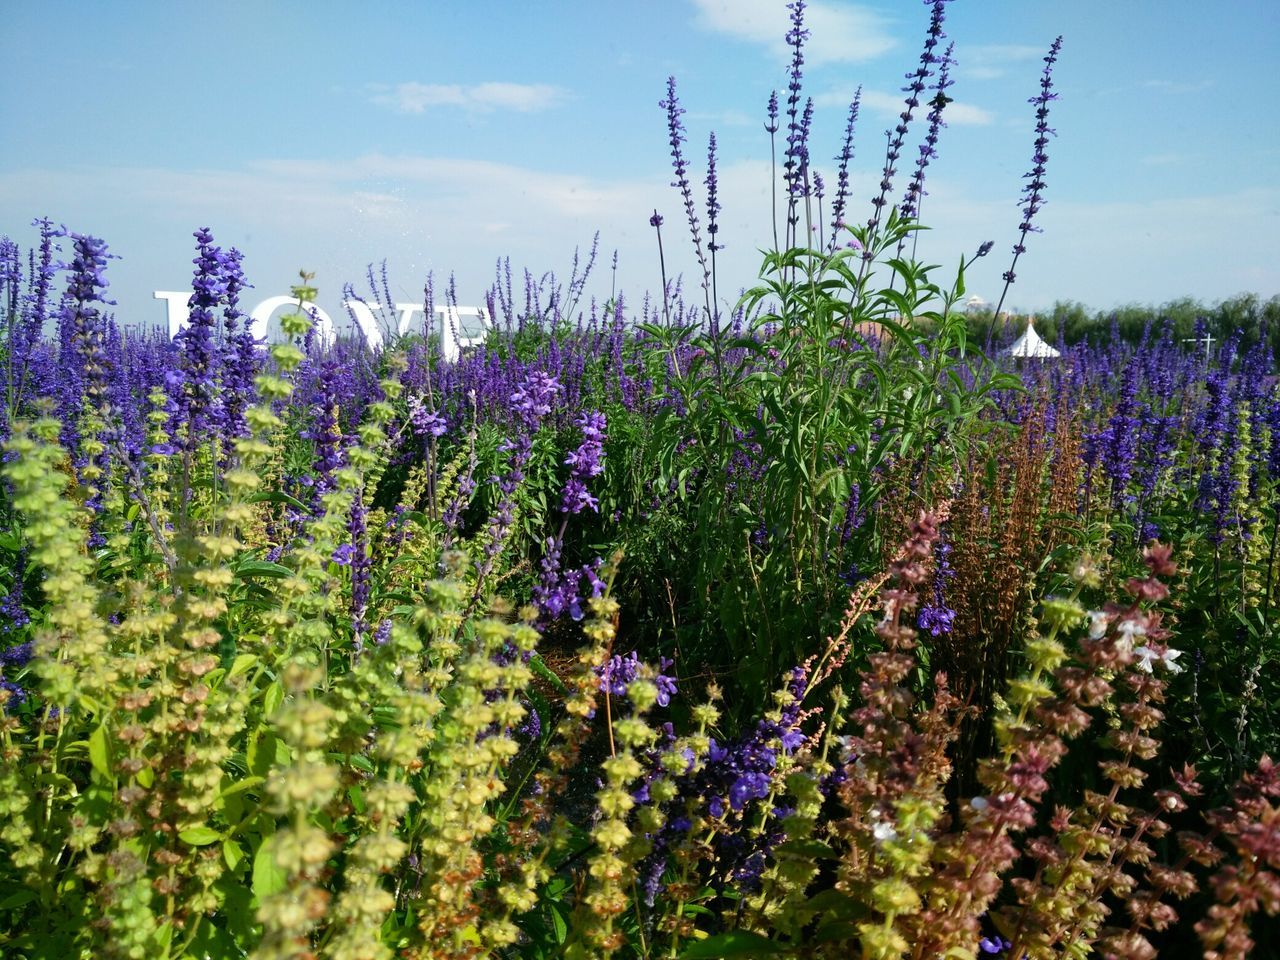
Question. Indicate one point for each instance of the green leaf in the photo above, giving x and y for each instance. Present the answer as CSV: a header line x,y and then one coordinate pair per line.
x,y
268,878
833,905
240,786
18,899
736,943
276,496
539,667
241,664
100,752
272,698
199,836
232,853
835,931
558,922
262,568
805,850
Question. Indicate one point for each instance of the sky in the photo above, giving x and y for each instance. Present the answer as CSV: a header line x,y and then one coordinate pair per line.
x,y
441,136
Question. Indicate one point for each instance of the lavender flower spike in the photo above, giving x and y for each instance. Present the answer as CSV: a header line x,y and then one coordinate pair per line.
x,y
1033,191
676,136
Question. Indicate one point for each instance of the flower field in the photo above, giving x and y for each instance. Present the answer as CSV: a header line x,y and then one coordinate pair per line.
x,y
816,628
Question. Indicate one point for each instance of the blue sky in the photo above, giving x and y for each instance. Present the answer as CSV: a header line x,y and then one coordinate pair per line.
x,y
443,135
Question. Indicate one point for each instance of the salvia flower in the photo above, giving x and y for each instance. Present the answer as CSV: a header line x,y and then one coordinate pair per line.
x,y
1033,191
792,176
713,203
910,207
585,462
201,363
423,421
617,675
842,170
897,135
676,137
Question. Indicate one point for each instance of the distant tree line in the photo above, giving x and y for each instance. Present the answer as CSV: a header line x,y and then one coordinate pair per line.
x,y
1254,317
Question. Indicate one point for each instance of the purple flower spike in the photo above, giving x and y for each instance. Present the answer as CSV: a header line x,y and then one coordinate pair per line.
x,y
585,462
201,363
910,206
898,134
1033,192
676,136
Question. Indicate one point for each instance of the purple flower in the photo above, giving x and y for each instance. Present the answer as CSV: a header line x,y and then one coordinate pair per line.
x,y
17,695
618,674
17,656
425,422
83,325
201,362
842,174
797,134
240,359
585,462
771,125
713,204
676,136
910,206
1033,192
534,397
936,619
898,134
752,785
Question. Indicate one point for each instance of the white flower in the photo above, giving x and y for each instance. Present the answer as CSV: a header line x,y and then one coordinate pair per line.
x,y
1147,657
979,803
847,752
1098,621
884,832
1129,629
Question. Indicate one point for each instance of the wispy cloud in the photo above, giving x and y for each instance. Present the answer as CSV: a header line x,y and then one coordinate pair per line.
x,y
444,214
413,97
992,61
1178,86
891,104
838,34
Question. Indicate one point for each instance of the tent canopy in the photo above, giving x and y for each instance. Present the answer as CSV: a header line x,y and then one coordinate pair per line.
x,y
1030,344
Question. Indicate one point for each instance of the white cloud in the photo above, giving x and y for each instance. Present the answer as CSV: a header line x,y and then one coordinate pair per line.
x,y
413,97
887,104
992,61
447,214
1178,86
838,33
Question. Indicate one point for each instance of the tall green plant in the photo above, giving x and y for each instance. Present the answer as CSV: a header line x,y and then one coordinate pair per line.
x,y
840,385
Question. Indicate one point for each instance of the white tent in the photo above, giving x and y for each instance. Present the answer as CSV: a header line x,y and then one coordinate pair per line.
x,y
1031,345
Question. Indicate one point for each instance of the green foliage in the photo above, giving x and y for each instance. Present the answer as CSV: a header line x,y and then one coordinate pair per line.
x,y
841,388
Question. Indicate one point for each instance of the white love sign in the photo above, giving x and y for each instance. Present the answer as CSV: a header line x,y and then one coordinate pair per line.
x,y
449,321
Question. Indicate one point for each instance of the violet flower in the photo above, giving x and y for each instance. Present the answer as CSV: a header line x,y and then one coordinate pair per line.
x,y
796,134
676,136
585,462
618,674
240,359
898,134
1033,192
910,206
201,363
842,171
